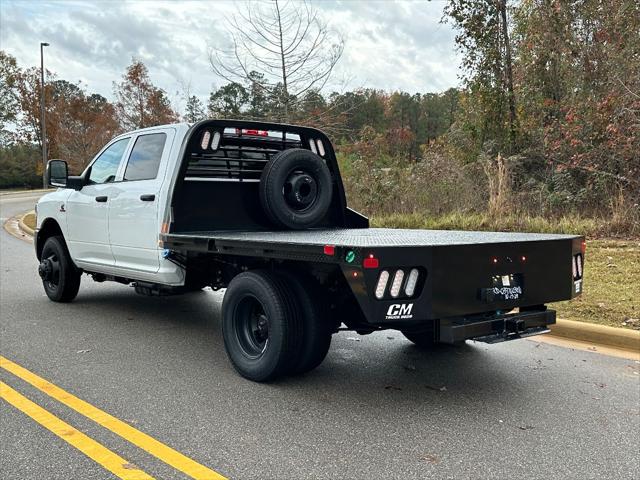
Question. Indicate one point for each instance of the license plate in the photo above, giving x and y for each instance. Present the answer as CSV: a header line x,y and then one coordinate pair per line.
x,y
505,288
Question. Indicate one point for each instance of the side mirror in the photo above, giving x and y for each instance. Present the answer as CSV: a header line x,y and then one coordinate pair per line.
x,y
57,173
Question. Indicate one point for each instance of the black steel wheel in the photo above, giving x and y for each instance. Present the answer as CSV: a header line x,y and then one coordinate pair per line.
x,y
60,277
316,328
296,189
259,326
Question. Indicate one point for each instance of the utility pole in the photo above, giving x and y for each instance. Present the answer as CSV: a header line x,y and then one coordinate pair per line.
x,y
43,125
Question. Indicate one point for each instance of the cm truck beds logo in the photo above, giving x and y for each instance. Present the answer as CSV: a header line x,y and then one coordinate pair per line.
x,y
399,311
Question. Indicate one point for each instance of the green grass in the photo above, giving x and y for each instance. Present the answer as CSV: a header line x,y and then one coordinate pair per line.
x,y
484,222
612,271
611,286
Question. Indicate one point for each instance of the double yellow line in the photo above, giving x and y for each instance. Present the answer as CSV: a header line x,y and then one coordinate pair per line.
x,y
94,450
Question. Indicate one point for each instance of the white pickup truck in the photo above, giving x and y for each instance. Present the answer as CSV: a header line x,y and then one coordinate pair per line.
x,y
259,209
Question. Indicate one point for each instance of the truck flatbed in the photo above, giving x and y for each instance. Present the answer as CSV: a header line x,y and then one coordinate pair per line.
x,y
344,237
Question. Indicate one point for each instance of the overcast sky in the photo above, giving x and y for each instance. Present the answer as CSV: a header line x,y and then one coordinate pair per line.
x,y
392,46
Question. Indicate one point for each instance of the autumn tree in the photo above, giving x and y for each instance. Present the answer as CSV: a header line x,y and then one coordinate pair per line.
x,y
140,104
9,100
484,40
284,48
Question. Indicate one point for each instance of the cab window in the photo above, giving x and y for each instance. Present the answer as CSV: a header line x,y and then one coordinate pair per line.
x,y
104,169
145,157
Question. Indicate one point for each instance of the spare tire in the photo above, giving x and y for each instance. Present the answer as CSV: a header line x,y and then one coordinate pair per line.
x,y
296,189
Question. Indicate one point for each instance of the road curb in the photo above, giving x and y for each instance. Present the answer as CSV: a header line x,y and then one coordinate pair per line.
x,y
24,227
19,192
597,334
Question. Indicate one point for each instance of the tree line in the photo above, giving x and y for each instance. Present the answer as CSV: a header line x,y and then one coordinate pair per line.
x,y
546,120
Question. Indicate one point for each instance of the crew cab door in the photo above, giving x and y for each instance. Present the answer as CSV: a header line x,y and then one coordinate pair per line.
x,y
87,210
134,214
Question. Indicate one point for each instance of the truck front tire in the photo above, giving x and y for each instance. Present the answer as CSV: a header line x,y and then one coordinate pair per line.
x,y
259,326
60,277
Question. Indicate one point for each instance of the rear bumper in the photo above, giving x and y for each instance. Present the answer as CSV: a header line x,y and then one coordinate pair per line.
x,y
496,328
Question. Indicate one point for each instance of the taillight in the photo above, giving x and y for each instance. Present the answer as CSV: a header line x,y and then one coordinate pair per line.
x,y
381,286
577,266
397,283
412,281
253,132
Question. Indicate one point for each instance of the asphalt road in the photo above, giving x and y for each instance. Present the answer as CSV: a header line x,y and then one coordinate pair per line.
x,y
376,408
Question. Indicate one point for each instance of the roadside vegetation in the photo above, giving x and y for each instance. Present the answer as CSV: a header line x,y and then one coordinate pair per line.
x,y
611,286
542,134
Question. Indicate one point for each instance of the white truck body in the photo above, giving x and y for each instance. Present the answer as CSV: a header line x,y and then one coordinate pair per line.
x,y
119,236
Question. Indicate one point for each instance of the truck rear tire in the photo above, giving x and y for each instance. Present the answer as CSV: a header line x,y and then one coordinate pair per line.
x,y
316,330
296,189
424,339
60,277
259,326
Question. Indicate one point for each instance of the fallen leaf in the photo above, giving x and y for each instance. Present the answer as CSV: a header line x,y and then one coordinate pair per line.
x,y
437,389
432,459
525,427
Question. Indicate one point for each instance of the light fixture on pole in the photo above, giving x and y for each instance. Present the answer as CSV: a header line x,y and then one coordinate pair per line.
x,y
43,126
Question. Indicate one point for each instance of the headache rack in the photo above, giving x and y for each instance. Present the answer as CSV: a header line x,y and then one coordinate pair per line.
x,y
235,154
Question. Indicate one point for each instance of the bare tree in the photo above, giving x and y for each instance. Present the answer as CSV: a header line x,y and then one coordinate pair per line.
x,y
287,43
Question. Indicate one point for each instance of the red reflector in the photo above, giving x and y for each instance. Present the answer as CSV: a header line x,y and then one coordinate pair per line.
x,y
584,246
370,262
329,250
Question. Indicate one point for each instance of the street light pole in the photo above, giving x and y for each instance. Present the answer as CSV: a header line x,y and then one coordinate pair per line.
x,y
43,125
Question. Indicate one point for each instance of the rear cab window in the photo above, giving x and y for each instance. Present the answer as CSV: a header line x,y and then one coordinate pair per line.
x,y
144,160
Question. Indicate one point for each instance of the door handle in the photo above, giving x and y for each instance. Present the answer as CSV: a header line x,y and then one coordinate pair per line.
x,y
102,198
149,197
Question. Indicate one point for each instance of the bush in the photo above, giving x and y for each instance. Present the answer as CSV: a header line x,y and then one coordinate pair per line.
x,y
20,166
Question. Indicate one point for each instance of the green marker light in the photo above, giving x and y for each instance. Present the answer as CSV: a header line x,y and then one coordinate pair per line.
x,y
350,256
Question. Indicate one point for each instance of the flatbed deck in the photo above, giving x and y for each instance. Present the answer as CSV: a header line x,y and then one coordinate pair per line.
x,y
369,237
312,241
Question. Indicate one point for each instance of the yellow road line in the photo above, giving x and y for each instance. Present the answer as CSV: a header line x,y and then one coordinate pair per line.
x,y
147,443
92,449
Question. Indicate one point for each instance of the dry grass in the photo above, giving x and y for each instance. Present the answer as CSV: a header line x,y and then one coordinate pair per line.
x,y
30,220
485,222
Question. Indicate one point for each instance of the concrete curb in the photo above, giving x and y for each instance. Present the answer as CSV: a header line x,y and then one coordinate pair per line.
x,y
597,334
24,227
19,192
